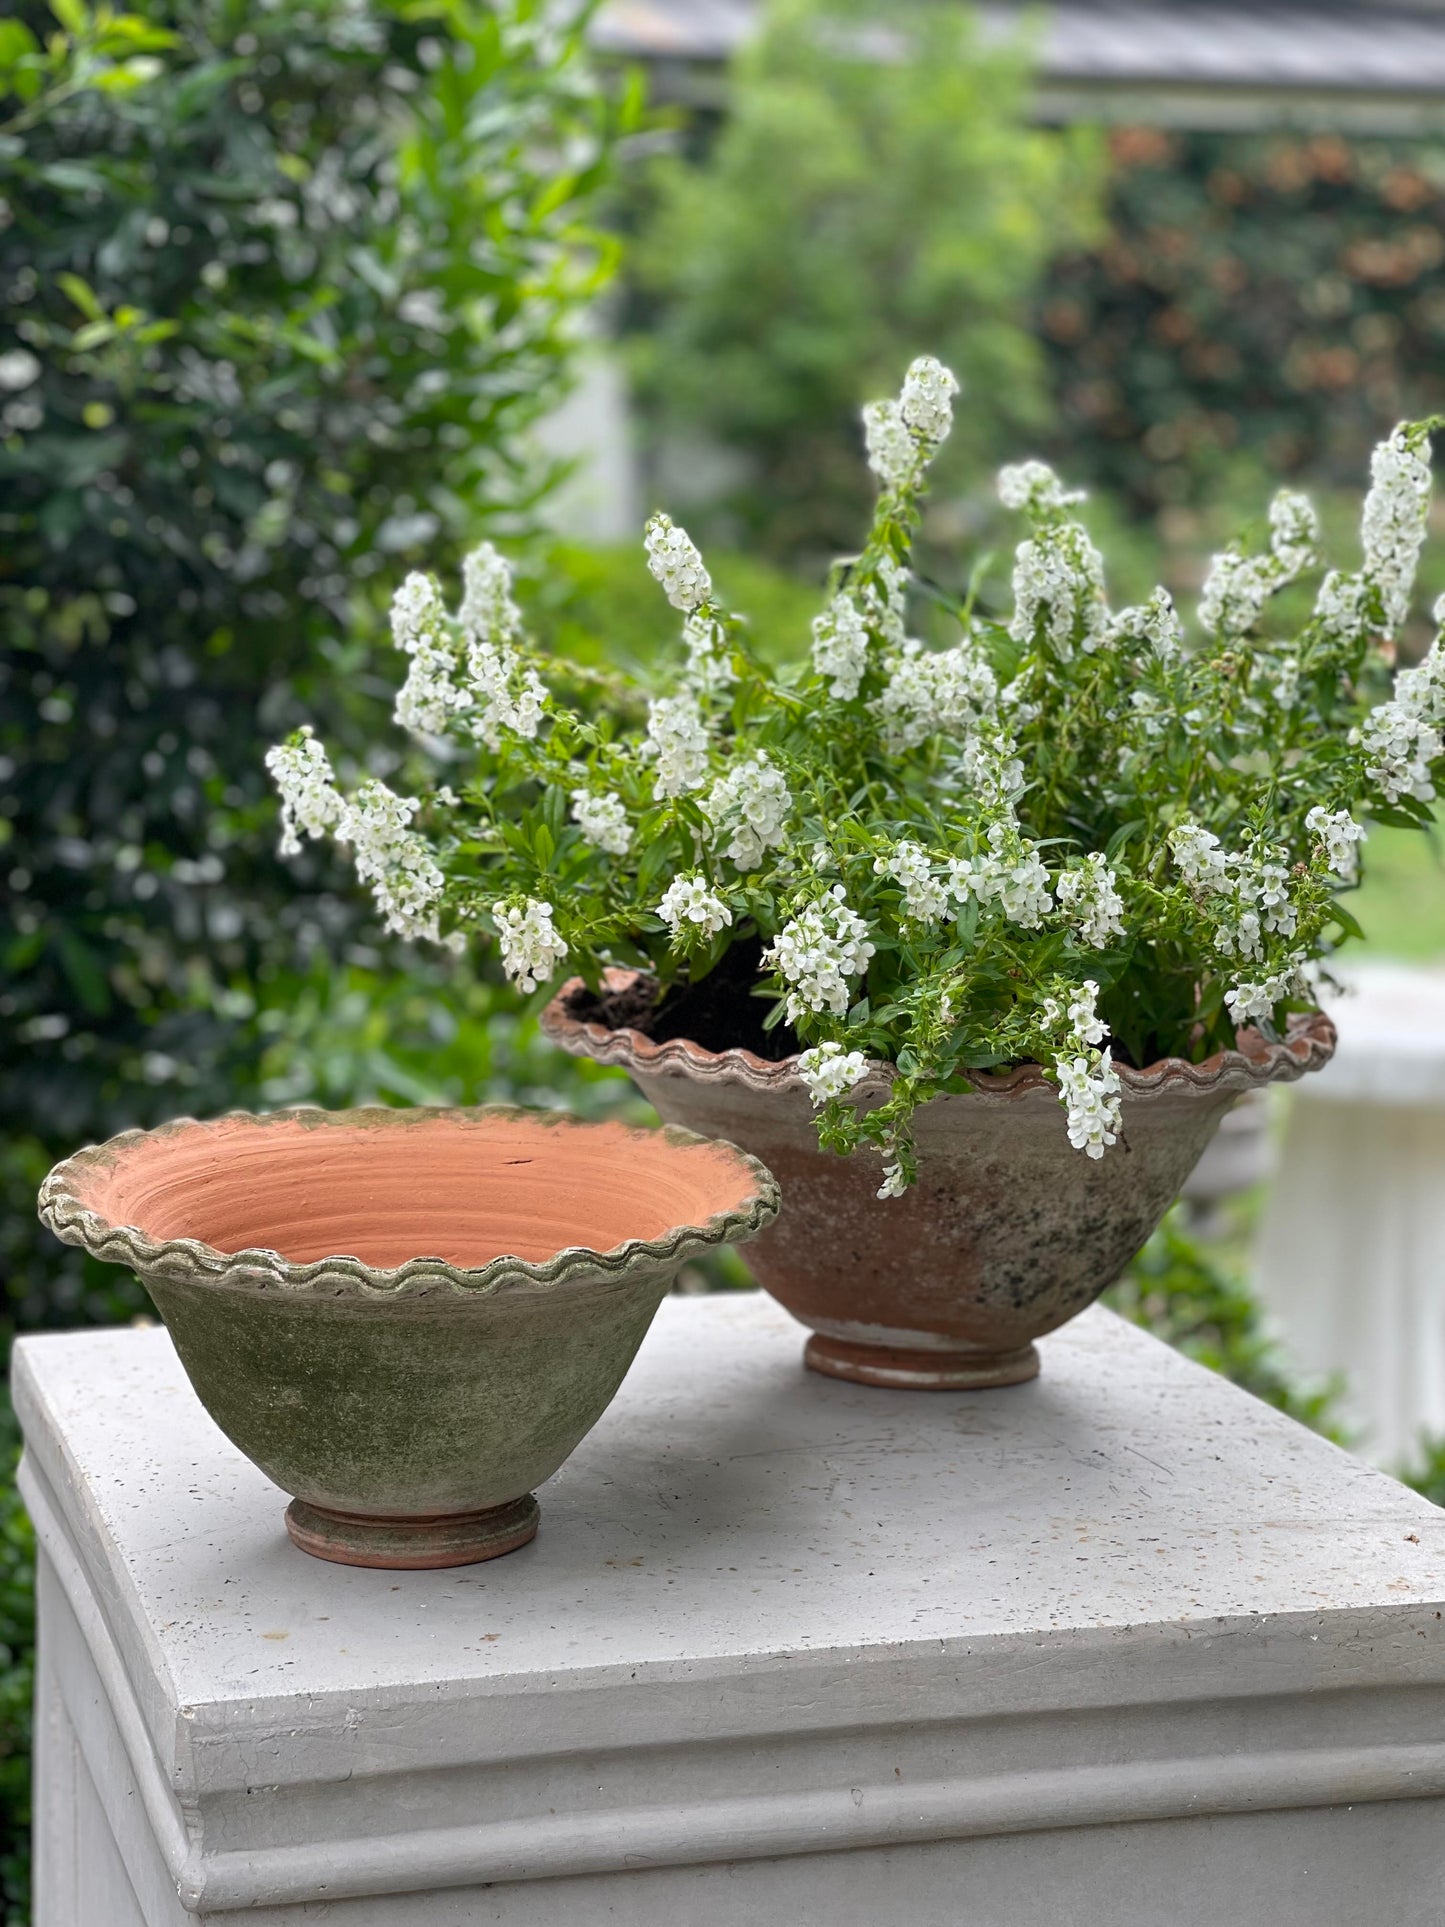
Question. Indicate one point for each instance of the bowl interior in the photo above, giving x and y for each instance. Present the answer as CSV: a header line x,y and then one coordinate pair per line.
x,y
386,1187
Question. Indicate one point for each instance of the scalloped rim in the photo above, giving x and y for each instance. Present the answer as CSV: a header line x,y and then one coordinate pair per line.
x,y
260,1269
1308,1046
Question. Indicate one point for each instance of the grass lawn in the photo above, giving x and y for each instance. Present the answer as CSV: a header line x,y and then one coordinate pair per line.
x,y
1401,904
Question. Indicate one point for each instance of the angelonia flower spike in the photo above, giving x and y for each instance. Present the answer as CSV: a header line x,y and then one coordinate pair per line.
x,y
1055,832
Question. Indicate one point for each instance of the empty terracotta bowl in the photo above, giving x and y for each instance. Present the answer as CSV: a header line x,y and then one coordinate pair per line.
x,y
407,1319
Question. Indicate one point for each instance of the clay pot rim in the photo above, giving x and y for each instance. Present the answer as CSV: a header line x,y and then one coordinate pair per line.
x,y
1308,1045
259,1269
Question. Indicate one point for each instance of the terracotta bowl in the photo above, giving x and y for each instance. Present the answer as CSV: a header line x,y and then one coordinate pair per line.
x,y
407,1319
1009,1231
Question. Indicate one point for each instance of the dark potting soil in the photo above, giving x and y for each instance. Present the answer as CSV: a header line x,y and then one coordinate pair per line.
x,y
719,1012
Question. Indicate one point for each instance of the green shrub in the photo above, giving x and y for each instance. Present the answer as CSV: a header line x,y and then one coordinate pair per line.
x,y
852,212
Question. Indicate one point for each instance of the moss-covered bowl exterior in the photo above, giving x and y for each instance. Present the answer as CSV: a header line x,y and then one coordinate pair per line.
x,y
407,1319
1009,1231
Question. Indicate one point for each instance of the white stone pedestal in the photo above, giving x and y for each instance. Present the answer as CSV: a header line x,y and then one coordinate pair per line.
x,y
1350,1257
1118,1646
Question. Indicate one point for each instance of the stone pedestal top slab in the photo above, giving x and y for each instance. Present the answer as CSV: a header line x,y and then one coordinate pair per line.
x,y
765,1612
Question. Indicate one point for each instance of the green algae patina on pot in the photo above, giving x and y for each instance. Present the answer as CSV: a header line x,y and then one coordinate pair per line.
x,y
1009,1231
407,1319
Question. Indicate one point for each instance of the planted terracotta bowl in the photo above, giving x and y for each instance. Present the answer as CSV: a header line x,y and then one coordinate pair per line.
x,y
407,1319
1009,1231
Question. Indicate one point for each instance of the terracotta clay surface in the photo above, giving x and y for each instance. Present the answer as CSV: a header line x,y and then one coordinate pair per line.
x,y
1009,1231
407,1319
462,1187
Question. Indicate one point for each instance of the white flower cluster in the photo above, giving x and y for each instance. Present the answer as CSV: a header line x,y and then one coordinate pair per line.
x,y
820,952
430,696
1343,606
688,900
950,692
1090,1091
1058,579
1035,487
1089,1087
925,896
1253,1003
751,802
1250,889
1238,586
496,686
1285,687
532,950
1008,873
840,647
488,613
829,1071
675,561
885,601
602,821
1341,836
310,801
507,695
677,739
895,1182
1155,623
708,667
903,436
406,882
1090,900
1402,738
1392,529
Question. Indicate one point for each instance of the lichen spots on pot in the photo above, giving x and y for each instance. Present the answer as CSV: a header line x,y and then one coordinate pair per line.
x,y
389,1187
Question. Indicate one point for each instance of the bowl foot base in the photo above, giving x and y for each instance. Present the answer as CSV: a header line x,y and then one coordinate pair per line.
x,y
918,1371
417,1545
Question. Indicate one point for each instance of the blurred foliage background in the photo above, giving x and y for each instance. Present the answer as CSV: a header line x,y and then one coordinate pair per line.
x,y
284,289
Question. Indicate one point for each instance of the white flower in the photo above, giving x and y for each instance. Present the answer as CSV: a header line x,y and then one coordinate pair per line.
x,y
1402,738
674,560
829,1071
886,601
531,948
948,693
840,647
688,899
1200,857
752,801
1156,623
677,738
892,451
1085,1024
925,896
1343,606
406,882
1034,486
1092,903
1008,873
1058,580
1341,835
1286,682
819,953
926,403
1090,1094
505,694
602,821
430,696
894,1182
310,801
1251,1003
488,613
1392,528
708,668
1238,586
